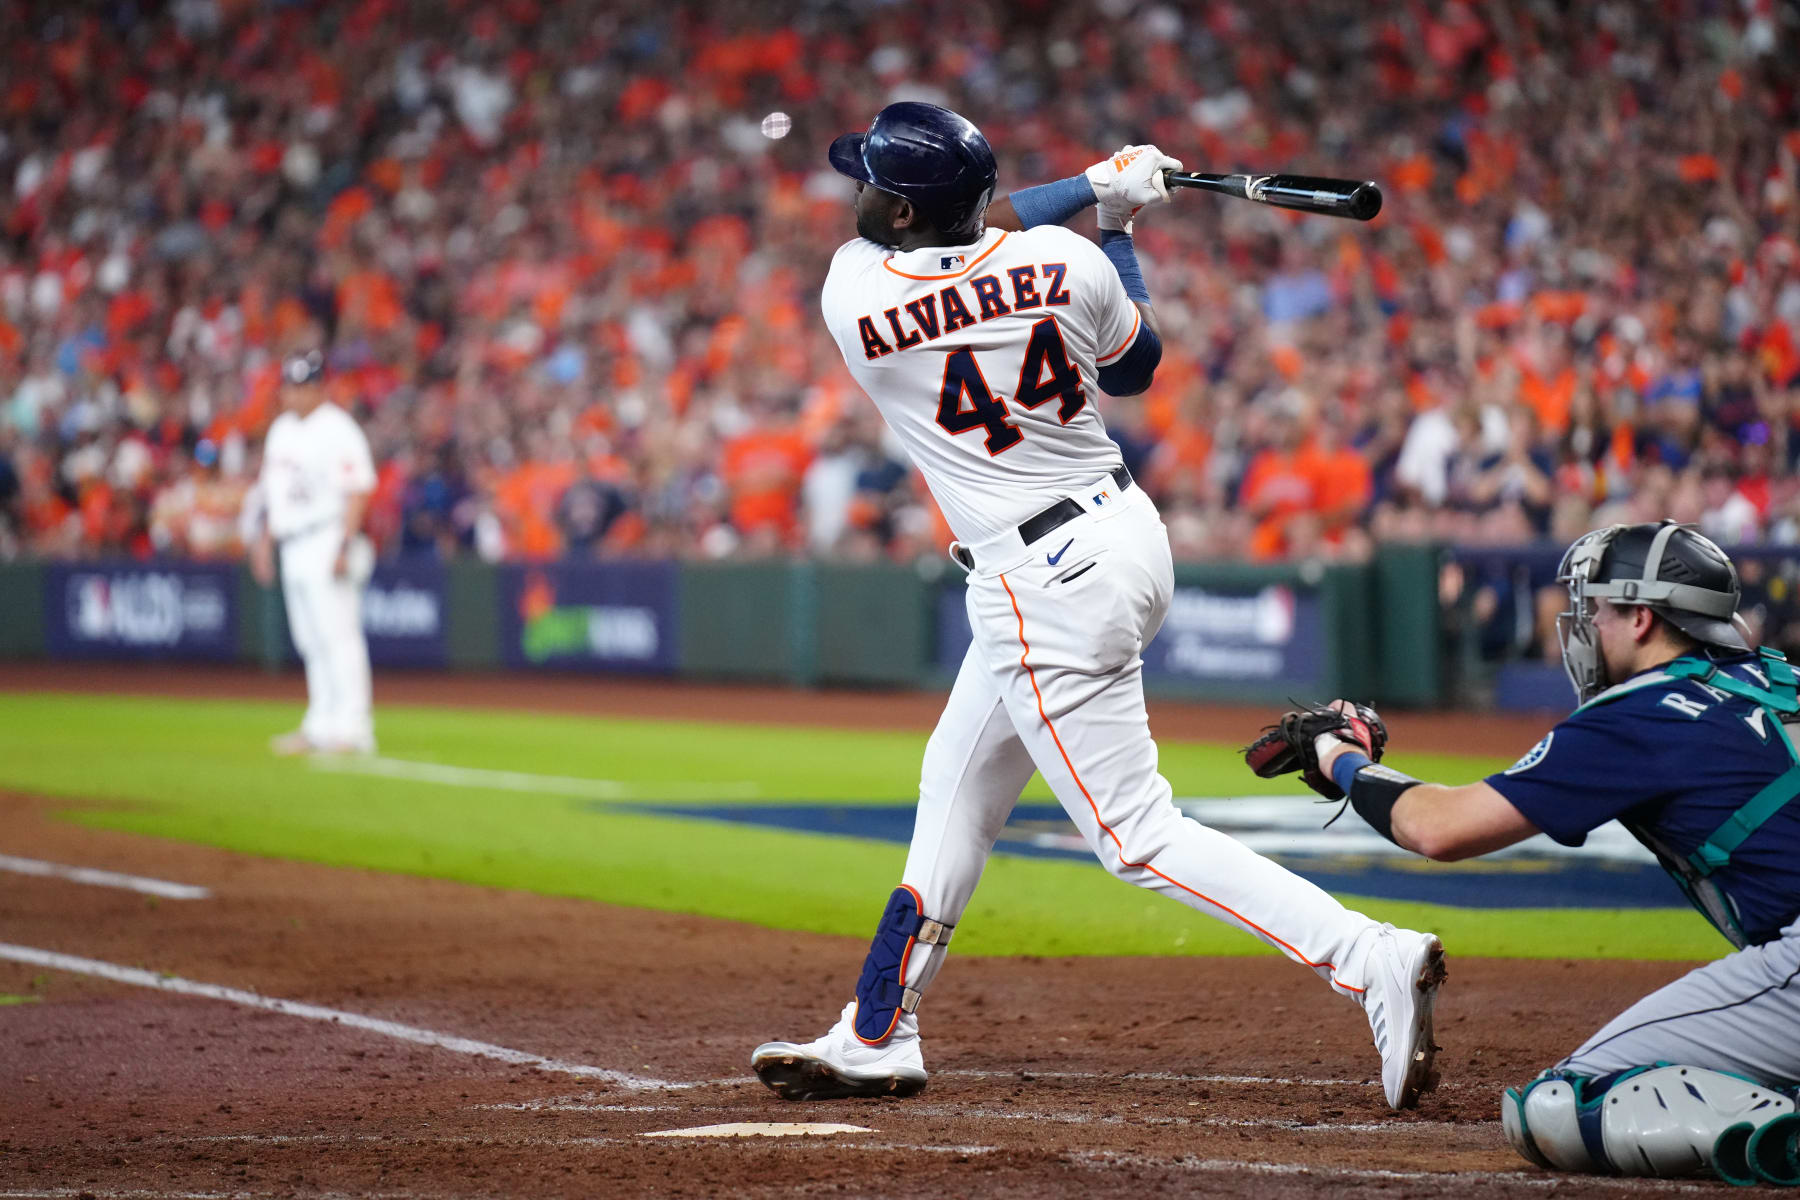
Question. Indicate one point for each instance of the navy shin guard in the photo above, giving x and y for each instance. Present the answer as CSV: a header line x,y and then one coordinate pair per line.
x,y
881,992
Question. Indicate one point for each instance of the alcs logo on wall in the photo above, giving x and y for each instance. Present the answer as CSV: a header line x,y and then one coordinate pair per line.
x,y
1218,634
146,609
614,632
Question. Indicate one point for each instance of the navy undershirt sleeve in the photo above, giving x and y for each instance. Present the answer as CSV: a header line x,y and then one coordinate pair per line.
x,y
1132,371
1117,245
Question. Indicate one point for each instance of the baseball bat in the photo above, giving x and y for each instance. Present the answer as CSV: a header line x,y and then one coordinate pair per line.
x,y
1359,200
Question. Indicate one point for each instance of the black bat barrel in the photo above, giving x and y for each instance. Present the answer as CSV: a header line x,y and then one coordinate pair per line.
x,y
1357,199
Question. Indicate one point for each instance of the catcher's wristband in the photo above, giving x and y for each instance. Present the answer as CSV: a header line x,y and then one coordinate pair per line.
x,y
1373,790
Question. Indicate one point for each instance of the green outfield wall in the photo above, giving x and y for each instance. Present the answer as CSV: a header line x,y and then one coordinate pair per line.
x,y
1234,632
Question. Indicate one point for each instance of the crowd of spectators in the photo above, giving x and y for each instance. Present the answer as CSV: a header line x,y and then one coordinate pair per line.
x,y
570,285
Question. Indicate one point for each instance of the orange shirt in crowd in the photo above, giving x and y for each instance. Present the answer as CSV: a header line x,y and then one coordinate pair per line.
x,y
1549,398
1276,486
526,500
1336,484
763,469
1181,457
1342,483
369,300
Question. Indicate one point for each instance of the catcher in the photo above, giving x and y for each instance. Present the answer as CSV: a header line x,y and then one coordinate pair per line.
x,y
1681,737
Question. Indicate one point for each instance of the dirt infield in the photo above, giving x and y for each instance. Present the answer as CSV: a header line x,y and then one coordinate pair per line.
x,y
1460,732
1051,1077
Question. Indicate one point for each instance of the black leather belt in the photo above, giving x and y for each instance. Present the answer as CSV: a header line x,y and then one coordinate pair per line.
x,y
1062,512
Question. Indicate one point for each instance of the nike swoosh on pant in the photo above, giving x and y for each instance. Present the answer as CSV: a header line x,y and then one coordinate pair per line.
x,y
1053,559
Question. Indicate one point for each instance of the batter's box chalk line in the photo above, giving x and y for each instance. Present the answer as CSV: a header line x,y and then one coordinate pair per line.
x,y
138,977
160,888
737,1129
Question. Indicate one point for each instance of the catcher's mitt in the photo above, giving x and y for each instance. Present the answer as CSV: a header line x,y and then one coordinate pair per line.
x,y
1288,745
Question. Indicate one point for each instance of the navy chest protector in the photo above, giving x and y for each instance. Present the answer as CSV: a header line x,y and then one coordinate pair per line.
x,y
1693,873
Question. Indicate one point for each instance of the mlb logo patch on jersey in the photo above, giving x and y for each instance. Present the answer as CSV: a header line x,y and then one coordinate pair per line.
x,y
1533,756
952,261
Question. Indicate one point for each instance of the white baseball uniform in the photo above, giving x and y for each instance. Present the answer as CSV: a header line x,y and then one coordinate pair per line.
x,y
311,466
984,360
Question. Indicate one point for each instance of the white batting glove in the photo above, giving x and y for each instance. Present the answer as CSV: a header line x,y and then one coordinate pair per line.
x,y
1128,181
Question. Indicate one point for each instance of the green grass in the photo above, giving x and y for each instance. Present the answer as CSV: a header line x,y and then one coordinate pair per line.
x,y
199,771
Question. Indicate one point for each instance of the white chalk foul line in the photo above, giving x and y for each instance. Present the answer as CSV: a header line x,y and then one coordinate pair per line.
x,y
531,782
99,878
315,1012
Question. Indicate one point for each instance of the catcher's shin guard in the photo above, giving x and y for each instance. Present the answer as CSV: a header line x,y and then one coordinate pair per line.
x,y
1660,1120
882,992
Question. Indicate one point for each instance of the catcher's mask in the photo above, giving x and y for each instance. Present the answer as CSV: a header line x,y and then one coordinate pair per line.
x,y
1680,575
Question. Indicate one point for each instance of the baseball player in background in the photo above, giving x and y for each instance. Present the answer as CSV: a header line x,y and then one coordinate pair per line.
x,y
986,337
1681,736
317,475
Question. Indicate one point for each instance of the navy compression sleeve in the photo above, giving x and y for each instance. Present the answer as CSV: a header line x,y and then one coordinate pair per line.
x,y
1052,203
1132,371
1116,245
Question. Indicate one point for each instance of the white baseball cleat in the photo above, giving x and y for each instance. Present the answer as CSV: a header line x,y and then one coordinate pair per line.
x,y
340,748
287,745
1405,971
839,1065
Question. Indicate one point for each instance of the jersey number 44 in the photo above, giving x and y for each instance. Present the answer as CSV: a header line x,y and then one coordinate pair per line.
x,y
966,402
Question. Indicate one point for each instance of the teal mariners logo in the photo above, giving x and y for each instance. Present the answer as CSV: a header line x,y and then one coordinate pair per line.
x,y
1533,756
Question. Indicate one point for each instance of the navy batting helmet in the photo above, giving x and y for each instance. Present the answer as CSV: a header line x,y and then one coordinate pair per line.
x,y
927,155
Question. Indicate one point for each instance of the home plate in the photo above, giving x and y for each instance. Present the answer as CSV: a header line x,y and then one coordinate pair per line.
x,y
761,1129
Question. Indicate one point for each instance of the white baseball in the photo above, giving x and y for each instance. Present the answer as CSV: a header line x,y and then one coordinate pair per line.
x,y
776,125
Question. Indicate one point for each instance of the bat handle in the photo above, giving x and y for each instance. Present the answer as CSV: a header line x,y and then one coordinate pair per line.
x,y
1230,185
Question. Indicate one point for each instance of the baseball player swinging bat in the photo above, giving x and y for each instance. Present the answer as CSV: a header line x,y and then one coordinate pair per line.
x,y
988,336
1359,200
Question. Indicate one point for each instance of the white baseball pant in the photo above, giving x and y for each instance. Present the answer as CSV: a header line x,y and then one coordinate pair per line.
x,y
324,613
1054,681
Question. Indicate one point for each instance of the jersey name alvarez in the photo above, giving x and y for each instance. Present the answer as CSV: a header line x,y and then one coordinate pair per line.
x,y
984,293
984,360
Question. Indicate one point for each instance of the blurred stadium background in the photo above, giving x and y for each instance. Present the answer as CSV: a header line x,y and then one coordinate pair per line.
x,y
565,259
569,284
